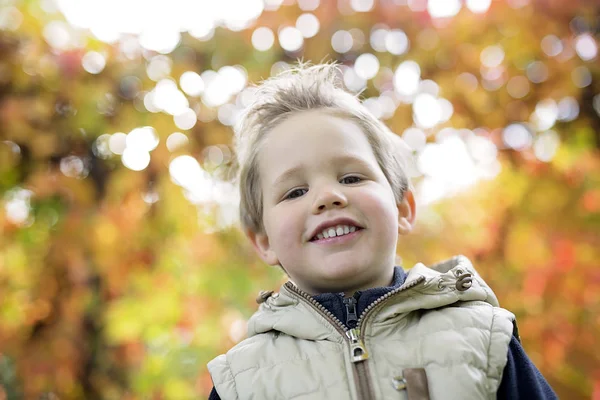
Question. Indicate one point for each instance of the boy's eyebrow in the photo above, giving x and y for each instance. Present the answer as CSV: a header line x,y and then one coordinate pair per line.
x,y
294,170
287,175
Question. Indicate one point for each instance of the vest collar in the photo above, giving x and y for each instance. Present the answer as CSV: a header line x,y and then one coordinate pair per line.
x,y
297,314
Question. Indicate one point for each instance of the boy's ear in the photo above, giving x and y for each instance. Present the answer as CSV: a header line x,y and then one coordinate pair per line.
x,y
260,241
407,212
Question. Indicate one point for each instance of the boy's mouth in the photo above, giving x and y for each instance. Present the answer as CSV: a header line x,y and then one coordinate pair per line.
x,y
335,231
335,228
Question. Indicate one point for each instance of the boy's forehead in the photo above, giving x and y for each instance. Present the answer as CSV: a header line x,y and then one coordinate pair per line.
x,y
318,138
316,118
315,126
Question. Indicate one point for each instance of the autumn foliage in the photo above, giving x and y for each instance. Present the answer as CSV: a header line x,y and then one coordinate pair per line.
x,y
124,283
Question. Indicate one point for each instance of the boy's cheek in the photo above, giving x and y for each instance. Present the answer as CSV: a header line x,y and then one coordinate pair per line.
x,y
284,227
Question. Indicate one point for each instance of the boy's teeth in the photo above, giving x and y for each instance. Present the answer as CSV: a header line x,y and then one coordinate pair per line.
x,y
338,230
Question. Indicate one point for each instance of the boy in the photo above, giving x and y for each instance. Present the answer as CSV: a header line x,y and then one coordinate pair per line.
x,y
325,196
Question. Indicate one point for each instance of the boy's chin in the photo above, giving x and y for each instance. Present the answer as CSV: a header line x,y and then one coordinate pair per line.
x,y
341,277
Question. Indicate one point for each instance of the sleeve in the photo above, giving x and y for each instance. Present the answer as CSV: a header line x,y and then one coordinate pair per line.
x,y
214,395
223,379
521,379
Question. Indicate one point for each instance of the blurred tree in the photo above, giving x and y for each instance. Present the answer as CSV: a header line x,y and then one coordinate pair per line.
x,y
120,272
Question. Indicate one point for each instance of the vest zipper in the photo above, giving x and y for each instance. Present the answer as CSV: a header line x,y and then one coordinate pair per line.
x,y
377,303
351,317
358,351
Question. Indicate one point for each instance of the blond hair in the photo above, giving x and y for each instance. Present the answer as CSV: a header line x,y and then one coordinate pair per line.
x,y
305,88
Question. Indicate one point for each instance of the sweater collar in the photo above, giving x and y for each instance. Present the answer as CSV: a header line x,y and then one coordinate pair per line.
x,y
334,302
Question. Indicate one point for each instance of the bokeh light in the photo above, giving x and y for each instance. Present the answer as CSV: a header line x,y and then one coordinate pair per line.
x,y
586,47
341,41
93,62
308,5
74,167
478,6
552,45
101,148
159,67
443,8
427,110
415,138
143,138
191,83
159,24
117,142
366,66
407,77
545,114
352,81
58,35
545,145
228,114
135,159
568,109
308,25
362,5
291,39
537,72
518,87
492,56
168,98
396,42
185,119
429,86
378,38
176,141
417,5
517,136
18,205
263,38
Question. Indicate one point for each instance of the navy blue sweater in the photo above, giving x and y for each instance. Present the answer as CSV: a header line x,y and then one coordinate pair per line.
x,y
520,380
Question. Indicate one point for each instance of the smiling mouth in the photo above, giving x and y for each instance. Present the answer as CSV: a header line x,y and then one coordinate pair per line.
x,y
335,231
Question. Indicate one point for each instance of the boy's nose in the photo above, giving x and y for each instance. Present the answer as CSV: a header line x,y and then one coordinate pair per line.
x,y
329,199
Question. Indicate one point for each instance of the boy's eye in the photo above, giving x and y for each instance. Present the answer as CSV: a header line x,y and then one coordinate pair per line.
x,y
350,179
295,193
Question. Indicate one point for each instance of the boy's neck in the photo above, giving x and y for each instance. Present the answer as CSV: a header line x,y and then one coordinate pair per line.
x,y
382,281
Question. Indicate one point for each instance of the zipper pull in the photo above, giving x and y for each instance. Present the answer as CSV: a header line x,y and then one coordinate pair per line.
x,y
358,351
351,317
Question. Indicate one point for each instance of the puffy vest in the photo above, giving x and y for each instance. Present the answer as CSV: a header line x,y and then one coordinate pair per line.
x,y
441,335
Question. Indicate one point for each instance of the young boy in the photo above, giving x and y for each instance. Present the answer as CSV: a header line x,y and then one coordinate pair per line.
x,y
325,196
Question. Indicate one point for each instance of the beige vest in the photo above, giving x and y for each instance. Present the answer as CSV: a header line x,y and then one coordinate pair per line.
x,y
441,335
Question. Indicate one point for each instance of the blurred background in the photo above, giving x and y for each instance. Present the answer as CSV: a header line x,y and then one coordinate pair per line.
x,y
122,270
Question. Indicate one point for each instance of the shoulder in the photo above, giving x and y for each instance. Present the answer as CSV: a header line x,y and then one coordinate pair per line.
x,y
498,321
487,328
498,324
476,313
242,357
245,352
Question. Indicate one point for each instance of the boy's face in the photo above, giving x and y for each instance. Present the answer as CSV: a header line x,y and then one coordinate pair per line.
x,y
318,172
